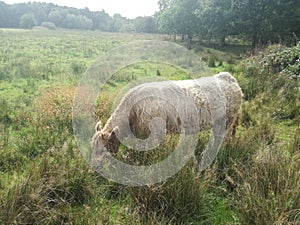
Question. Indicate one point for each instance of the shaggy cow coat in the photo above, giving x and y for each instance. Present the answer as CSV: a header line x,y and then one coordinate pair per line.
x,y
147,101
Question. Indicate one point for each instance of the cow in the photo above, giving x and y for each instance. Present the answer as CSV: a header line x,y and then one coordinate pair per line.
x,y
197,100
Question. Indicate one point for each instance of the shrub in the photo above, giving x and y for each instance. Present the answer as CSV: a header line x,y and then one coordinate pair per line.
x,y
273,64
49,25
54,108
51,123
230,68
212,62
274,73
283,60
78,68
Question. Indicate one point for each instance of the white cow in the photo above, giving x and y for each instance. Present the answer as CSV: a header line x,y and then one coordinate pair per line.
x,y
187,104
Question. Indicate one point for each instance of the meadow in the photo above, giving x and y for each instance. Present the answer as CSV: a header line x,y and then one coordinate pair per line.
x,y
45,180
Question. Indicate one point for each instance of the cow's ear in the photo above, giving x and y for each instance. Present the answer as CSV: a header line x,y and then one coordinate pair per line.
x,y
98,126
114,133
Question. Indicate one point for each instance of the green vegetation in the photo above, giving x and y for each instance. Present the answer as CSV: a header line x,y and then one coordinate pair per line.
x,y
44,179
27,21
28,15
258,21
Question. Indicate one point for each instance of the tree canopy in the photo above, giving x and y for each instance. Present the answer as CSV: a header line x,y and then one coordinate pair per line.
x,y
259,21
27,21
27,15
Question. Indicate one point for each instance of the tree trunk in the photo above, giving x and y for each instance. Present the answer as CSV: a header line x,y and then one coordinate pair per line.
x,y
254,42
182,38
209,40
190,37
222,41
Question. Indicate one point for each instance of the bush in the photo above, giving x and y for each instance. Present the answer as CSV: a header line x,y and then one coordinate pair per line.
x,y
274,76
274,63
283,60
54,108
51,123
212,62
78,68
49,25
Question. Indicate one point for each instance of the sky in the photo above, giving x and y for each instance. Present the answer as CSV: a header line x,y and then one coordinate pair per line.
x,y
127,8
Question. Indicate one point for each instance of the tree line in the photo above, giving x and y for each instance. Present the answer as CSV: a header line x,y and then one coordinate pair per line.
x,y
28,15
259,21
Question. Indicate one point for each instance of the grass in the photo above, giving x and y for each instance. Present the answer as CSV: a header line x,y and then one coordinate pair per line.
x,y
44,179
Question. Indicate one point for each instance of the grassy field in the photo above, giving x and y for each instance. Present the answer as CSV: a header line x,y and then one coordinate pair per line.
x,y
45,180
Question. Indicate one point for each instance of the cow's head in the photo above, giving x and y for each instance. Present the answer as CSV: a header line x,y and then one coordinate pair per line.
x,y
107,139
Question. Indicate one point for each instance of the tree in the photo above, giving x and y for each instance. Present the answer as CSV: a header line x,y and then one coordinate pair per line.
x,y
28,21
217,19
57,16
164,4
72,21
178,17
39,10
117,23
286,21
146,24
260,21
4,15
100,20
267,20
82,22
166,21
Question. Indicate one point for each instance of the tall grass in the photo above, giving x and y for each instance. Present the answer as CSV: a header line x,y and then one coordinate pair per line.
x,y
267,192
48,188
262,169
179,200
44,180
